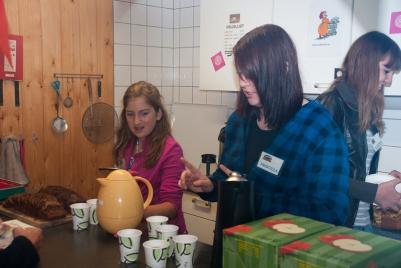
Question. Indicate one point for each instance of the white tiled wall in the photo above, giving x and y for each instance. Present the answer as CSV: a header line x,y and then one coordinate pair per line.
x,y
158,41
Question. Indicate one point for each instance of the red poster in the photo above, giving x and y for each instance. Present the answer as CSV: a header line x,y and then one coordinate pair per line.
x,y
12,71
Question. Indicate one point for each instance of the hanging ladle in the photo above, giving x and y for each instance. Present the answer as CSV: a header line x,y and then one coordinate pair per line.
x,y
68,100
59,124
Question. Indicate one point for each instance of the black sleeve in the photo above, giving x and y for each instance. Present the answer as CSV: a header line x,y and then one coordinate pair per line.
x,y
213,195
20,253
363,191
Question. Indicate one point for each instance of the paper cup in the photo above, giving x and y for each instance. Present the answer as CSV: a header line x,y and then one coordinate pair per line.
x,y
92,211
156,253
184,248
80,216
152,223
129,241
166,232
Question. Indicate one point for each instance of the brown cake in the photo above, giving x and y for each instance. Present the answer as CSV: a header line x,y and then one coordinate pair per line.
x,y
64,195
40,205
387,219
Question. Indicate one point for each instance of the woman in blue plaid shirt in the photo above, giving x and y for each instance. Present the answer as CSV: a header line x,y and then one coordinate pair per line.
x,y
289,147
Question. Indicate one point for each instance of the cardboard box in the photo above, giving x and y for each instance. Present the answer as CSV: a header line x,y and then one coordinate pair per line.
x,y
342,247
257,244
8,188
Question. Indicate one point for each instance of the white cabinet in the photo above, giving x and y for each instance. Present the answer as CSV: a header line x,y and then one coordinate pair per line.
x,y
200,217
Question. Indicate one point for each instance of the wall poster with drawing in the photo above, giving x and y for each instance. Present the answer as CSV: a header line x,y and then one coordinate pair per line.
x,y
13,70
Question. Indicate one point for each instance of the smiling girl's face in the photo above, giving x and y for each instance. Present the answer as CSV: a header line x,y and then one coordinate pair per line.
x,y
141,117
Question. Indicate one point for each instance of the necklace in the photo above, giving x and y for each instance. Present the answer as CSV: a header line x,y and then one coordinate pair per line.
x,y
135,150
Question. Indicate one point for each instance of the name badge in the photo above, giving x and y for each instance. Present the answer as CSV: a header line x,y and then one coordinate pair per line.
x,y
377,142
270,163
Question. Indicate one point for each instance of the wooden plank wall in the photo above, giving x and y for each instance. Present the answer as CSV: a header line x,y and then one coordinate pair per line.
x,y
60,36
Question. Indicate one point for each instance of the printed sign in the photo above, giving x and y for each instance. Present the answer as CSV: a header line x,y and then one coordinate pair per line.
x,y
12,71
395,22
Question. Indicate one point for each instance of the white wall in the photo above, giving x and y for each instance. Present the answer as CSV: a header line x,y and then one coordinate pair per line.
x,y
158,41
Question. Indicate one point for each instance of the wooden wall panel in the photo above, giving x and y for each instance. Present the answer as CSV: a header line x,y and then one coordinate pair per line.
x,y
60,36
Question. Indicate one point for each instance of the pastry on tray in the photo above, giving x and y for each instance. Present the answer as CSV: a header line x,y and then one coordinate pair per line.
x,y
64,195
39,205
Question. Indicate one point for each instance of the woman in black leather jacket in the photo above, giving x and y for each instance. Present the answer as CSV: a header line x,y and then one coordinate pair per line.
x,y
356,101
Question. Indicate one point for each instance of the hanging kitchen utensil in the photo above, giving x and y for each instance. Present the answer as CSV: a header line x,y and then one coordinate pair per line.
x,y
68,100
99,89
99,122
90,94
59,124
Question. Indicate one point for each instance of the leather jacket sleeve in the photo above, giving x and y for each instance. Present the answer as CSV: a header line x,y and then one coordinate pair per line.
x,y
358,188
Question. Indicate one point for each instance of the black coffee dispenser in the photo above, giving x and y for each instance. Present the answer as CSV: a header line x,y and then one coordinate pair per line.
x,y
208,164
235,206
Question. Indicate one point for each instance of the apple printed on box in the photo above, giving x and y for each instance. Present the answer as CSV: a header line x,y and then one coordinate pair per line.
x,y
258,243
344,248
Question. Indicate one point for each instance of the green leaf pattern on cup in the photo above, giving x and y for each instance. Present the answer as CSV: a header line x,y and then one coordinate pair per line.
x,y
184,249
94,216
83,225
79,212
126,242
187,249
160,254
132,257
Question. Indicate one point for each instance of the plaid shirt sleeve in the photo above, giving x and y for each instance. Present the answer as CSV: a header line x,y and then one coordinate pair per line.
x,y
233,152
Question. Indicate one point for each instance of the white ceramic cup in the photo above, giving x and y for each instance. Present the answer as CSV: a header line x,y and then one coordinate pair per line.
x,y
156,253
92,211
129,241
184,248
166,232
80,216
152,223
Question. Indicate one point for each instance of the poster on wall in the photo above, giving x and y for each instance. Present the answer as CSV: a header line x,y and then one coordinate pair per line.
x,y
222,24
234,30
395,22
327,29
13,70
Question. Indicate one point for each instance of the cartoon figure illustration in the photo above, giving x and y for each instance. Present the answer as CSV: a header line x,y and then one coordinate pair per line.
x,y
327,27
324,25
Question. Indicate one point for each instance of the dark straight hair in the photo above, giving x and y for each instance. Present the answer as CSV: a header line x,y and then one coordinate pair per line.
x,y
361,72
267,56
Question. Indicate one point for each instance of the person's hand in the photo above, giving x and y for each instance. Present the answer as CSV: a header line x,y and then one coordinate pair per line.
x,y
33,234
193,179
225,169
396,174
387,197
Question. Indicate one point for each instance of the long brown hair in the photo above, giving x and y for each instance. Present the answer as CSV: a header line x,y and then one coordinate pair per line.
x,y
267,56
157,137
361,72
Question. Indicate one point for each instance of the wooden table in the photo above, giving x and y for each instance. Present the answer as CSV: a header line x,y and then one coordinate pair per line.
x,y
63,247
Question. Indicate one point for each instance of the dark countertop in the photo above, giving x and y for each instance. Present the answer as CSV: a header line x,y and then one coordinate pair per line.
x,y
93,247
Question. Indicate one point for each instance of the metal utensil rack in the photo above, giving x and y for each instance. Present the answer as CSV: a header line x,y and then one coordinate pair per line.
x,y
78,76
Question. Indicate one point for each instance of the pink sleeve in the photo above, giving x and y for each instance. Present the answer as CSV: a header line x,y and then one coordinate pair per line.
x,y
170,173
